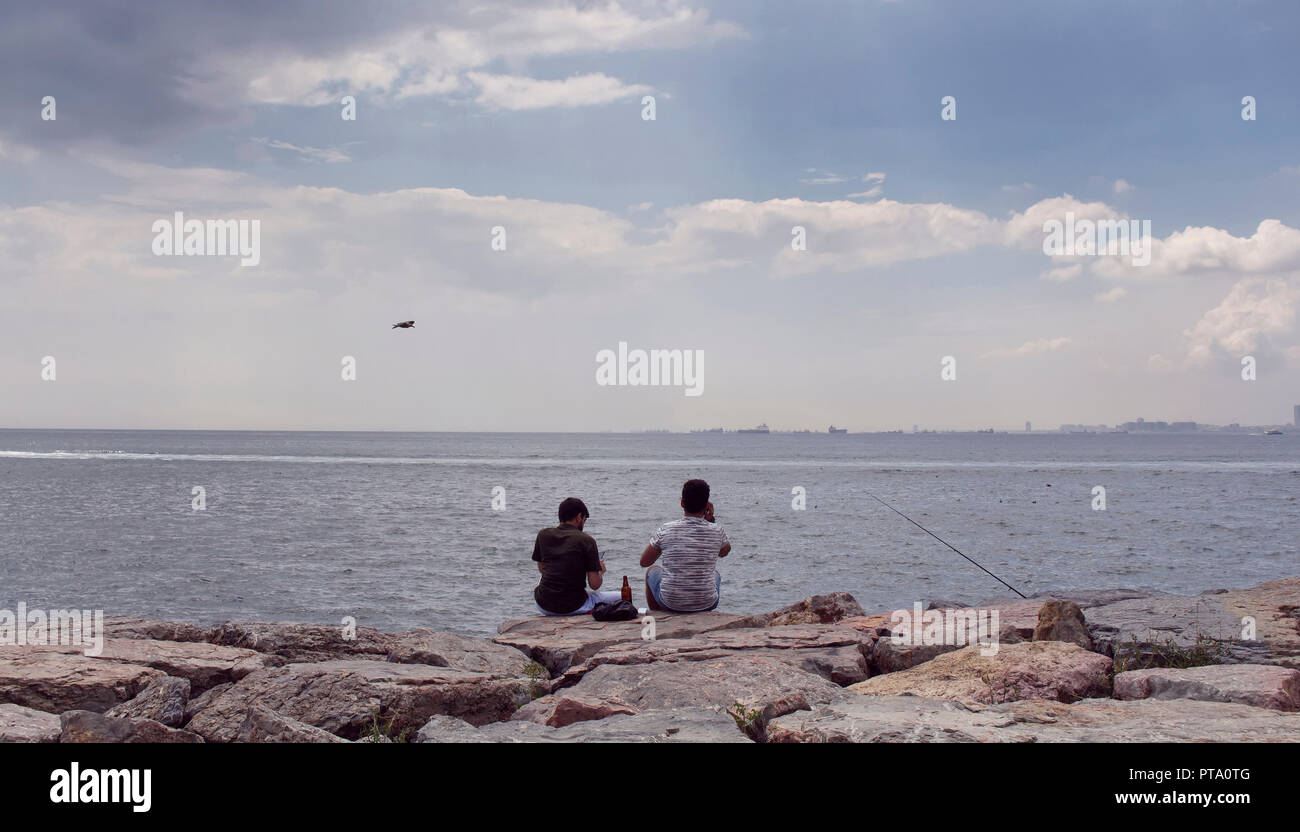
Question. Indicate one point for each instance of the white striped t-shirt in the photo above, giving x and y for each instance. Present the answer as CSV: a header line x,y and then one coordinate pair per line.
x,y
689,548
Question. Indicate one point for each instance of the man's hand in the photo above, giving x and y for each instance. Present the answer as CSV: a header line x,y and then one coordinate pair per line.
x,y
708,513
602,566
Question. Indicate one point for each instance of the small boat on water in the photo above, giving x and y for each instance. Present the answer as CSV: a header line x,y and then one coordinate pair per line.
x,y
763,428
1272,433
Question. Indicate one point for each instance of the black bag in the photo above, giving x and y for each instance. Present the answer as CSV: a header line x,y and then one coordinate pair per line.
x,y
617,611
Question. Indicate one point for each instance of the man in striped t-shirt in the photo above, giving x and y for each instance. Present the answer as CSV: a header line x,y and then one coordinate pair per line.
x,y
687,580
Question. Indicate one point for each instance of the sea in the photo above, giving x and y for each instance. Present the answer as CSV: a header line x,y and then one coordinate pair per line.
x,y
435,530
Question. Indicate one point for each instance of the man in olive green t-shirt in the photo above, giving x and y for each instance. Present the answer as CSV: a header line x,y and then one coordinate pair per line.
x,y
567,556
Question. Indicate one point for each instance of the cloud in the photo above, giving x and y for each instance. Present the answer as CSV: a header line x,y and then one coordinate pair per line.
x,y
160,80
331,155
513,92
842,236
437,58
1042,345
1063,274
1121,187
1253,311
1118,293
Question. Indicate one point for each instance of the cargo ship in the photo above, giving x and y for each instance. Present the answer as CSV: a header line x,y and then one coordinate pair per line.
x,y
760,429
838,430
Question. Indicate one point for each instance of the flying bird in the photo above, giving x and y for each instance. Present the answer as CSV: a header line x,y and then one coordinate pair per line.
x,y
404,325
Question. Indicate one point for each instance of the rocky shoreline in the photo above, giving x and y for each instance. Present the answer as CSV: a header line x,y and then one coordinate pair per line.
x,y
1092,666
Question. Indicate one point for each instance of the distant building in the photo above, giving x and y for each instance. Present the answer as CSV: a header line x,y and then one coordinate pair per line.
x,y
1295,416
1028,427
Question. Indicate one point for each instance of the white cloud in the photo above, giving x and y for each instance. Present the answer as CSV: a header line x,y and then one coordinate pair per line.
x,y
514,92
329,155
1118,293
1121,187
1063,274
1038,347
436,59
1253,311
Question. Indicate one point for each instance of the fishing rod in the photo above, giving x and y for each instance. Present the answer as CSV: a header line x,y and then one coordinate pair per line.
x,y
944,542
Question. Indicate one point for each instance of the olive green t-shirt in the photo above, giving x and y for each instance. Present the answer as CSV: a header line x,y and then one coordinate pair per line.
x,y
566,555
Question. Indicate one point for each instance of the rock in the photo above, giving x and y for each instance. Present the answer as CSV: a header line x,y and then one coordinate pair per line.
x,y
1264,686
763,684
346,697
88,726
830,608
122,626
694,725
1030,670
303,642
203,664
1159,624
1086,598
264,725
461,652
204,699
558,710
19,724
837,654
58,682
558,642
889,656
916,719
1275,606
315,643
1062,621
164,701
1018,617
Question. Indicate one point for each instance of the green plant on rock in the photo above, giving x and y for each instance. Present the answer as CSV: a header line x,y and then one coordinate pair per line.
x,y
378,731
1139,656
538,677
748,720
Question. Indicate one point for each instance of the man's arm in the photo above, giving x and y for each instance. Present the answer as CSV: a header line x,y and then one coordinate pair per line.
x,y
650,555
726,547
595,577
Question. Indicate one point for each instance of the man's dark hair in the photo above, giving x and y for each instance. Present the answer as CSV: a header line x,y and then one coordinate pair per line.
x,y
572,507
695,496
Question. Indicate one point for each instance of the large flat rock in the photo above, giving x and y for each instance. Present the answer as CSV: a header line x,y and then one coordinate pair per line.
x,y
56,682
345,697
1019,615
662,725
837,654
127,626
1178,621
760,683
1264,686
1027,670
917,719
19,724
203,664
562,641
315,643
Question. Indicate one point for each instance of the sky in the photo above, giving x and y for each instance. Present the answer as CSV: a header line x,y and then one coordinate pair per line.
x,y
923,236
